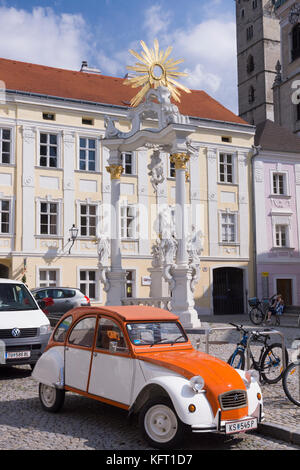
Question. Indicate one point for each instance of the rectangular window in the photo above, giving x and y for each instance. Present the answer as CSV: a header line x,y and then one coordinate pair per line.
x,y
88,216
172,171
49,116
4,216
5,145
49,218
87,121
281,239
226,168
228,228
48,278
129,284
128,221
48,150
279,184
87,154
88,283
128,163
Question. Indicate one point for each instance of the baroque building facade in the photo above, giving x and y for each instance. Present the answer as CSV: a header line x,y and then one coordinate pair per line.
x,y
53,175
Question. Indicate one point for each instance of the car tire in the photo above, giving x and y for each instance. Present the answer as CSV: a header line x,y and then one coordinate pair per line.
x,y
160,425
51,398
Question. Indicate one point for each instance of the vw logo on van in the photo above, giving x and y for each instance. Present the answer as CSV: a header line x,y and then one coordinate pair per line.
x,y
15,332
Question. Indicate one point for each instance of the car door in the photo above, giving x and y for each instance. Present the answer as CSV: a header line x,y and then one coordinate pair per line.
x,y
112,365
62,303
78,353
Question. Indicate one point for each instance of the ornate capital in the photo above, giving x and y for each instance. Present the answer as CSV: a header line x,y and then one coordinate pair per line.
x,y
180,160
115,171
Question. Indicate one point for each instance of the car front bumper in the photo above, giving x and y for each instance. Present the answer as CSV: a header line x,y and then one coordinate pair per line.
x,y
33,348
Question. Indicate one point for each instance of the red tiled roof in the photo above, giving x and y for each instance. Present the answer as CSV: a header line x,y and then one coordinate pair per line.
x,y
39,79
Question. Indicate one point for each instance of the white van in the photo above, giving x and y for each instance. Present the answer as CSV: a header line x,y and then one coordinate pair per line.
x,y
24,328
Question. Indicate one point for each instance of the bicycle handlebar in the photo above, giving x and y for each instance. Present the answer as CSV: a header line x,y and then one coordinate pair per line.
x,y
254,334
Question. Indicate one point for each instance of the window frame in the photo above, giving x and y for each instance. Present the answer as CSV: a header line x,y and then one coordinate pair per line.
x,y
226,164
87,149
48,214
280,234
87,282
9,213
49,132
11,142
132,164
73,326
285,175
88,217
125,218
48,284
124,351
234,224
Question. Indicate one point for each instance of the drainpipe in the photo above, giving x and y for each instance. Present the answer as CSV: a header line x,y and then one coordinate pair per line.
x,y
255,150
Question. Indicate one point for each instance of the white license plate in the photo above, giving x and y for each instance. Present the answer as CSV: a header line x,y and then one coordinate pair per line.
x,y
241,426
17,355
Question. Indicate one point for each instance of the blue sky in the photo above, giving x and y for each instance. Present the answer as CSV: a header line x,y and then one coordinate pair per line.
x,y
63,33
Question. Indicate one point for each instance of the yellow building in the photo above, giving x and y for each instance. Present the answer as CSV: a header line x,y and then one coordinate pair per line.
x,y
53,176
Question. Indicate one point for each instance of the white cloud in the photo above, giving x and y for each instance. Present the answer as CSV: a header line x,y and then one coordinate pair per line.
x,y
43,37
208,49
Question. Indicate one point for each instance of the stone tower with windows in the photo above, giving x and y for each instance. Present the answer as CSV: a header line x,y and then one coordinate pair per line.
x,y
258,50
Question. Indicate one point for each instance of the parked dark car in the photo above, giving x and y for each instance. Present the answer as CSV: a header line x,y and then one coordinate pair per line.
x,y
59,300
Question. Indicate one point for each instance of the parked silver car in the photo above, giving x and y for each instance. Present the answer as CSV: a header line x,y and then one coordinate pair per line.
x,y
59,300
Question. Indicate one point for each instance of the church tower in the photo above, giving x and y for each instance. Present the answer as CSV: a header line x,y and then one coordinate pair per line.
x,y
258,50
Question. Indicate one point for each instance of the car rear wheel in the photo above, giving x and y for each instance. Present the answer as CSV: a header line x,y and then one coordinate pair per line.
x,y
52,399
160,424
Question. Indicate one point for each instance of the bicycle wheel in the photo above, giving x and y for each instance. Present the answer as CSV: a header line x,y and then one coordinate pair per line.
x,y
291,382
272,363
256,315
237,360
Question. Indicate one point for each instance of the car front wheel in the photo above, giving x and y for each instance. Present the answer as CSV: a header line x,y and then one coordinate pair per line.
x,y
160,424
52,399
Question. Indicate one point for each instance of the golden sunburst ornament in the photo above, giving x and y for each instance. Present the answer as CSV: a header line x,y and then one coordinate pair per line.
x,y
154,70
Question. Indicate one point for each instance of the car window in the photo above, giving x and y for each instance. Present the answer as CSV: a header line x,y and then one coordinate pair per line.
x,y
67,293
15,297
83,332
62,329
56,294
156,333
110,336
42,294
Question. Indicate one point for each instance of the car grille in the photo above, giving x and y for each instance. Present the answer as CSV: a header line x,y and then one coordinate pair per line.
x,y
24,333
233,399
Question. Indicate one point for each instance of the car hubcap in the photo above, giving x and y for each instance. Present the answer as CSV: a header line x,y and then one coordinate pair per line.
x,y
48,395
161,423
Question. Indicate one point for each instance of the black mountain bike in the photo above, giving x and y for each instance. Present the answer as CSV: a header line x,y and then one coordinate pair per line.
x,y
291,376
270,364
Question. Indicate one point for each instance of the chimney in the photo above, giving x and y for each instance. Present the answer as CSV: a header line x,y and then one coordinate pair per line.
x,y
86,69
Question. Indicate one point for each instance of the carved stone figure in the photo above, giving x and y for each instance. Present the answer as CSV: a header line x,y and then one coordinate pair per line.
x,y
156,170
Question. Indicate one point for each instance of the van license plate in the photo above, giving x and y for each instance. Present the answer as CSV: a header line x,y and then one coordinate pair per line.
x,y
17,354
241,426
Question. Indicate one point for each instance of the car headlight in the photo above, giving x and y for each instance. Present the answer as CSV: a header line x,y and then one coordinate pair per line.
x,y
251,375
197,383
45,329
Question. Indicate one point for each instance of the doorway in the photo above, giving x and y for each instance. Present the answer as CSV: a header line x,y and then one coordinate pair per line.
x,y
285,288
4,271
228,291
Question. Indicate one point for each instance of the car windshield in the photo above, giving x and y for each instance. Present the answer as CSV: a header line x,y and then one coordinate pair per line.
x,y
155,333
15,297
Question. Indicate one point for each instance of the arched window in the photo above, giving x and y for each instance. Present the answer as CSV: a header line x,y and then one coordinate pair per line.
x,y
296,42
251,94
250,64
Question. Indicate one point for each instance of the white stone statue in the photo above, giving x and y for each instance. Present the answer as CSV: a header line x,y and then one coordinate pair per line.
x,y
103,261
194,249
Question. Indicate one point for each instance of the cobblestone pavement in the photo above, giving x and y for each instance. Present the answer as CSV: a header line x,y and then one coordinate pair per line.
x,y
87,424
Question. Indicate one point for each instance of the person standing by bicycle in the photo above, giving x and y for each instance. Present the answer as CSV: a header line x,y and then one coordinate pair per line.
x,y
276,307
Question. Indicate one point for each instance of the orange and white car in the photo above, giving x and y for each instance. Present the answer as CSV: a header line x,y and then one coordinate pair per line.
x,y
140,359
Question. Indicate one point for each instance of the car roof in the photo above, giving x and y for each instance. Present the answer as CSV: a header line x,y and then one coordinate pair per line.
x,y
10,281
129,313
52,287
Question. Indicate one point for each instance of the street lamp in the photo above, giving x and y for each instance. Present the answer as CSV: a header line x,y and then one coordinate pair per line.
x,y
73,235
